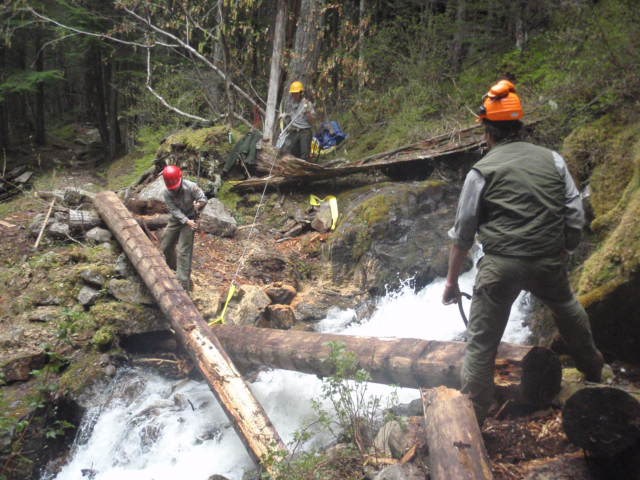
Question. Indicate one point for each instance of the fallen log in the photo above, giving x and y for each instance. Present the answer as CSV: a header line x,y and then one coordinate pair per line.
x,y
246,414
602,420
405,362
456,448
153,222
287,169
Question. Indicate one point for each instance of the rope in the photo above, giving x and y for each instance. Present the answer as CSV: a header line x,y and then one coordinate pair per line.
x,y
241,262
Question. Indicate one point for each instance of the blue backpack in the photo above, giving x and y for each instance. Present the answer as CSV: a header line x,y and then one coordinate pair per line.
x,y
330,135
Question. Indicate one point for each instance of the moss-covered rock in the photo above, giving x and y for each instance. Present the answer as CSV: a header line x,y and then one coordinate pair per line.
x,y
391,232
608,153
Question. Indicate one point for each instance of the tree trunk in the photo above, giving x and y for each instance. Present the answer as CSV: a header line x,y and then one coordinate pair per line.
x,y
406,362
362,26
4,118
112,95
96,92
304,58
247,416
274,75
604,421
458,37
39,134
456,448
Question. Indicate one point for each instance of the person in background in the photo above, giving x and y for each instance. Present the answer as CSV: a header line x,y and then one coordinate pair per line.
x,y
522,202
184,199
302,116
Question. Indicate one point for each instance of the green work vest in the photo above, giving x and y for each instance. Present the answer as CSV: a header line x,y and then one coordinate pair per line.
x,y
523,201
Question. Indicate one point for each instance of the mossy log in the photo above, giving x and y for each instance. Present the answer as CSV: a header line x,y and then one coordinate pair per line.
x,y
456,448
406,362
605,421
246,414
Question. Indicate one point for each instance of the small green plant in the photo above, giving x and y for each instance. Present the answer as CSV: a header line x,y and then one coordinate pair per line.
x,y
354,413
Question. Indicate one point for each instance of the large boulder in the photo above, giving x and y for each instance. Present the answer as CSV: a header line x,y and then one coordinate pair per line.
x,y
216,219
390,233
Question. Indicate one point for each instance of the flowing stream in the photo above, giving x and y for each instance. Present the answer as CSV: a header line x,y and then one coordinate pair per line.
x,y
146,427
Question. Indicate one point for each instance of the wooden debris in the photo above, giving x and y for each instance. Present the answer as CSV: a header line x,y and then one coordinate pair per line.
x,y
288,169
456,448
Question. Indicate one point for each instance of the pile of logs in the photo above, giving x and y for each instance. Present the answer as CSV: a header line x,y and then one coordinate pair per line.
x,y
13,182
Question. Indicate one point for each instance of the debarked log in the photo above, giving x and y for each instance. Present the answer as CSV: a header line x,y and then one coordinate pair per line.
x,y
246,414
456,448
603,420
523,373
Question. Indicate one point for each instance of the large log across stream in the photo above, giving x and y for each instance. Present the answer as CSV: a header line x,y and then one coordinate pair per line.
x,y
246,414
526,374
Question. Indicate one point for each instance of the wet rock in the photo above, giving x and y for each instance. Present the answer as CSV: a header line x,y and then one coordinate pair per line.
x,y
393,233
58,230
124,267
18,366
87,296
410,434
251,306
412,409
322,220
43,314
92,278
216,219
217,477
11,336
98,235
280,293
313,305
153,191
110,370
131,291
280,316
405,471
36,224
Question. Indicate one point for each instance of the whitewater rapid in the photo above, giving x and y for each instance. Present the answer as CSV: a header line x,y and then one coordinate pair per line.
x,y
146,427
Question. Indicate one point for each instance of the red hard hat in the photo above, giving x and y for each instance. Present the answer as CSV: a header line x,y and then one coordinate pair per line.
x,y
172,175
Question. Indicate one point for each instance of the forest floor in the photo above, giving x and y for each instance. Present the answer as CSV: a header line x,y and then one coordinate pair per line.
x,y
511,440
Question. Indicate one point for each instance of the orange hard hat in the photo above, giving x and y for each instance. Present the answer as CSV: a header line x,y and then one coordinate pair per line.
x,y
172,176
501,103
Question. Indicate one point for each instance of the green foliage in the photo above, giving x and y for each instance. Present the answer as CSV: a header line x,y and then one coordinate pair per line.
x,y
354,414
27,81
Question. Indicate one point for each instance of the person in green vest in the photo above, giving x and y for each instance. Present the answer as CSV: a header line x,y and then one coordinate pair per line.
x,y
522,202
184,199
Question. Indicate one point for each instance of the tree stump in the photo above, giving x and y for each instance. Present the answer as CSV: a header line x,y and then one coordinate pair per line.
x,y
603,420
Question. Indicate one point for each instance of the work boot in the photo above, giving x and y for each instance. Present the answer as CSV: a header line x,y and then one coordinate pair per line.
x,y
593,370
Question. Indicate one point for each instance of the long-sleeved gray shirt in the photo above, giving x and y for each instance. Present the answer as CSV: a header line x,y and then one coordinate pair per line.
x,y
469,205
180,202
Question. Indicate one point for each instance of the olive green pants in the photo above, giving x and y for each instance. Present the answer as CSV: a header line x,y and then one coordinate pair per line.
x,y
177,247
499,281
298,143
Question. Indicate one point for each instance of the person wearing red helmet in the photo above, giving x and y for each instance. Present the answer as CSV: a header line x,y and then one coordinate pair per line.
x,y
184,200
524,206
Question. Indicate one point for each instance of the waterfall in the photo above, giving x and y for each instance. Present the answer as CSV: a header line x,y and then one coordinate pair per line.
x,y
146,427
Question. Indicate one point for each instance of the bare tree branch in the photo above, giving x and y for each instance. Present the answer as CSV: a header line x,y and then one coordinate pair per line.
x,y
197,54
162,100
